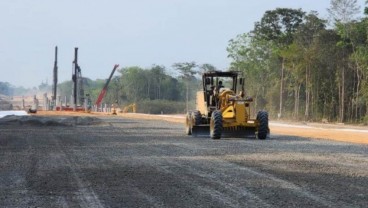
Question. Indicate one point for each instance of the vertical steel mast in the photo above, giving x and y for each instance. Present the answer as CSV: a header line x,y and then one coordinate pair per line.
x,y
54,95
75,80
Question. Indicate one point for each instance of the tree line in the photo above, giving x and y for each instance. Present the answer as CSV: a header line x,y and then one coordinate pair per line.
x,y
157,89
154,89
297,66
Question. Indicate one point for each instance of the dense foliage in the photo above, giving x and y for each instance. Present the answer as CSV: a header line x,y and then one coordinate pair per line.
x,y
298,67
153,89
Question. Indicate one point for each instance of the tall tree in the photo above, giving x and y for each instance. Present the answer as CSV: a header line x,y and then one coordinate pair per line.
x,y
187,71
158,75
279,27
207,67
323,71
305,38
133,83
342,13
5,88
256,58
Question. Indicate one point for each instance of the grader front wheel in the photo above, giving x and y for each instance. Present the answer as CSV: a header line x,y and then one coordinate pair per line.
x,y
216,125
263,129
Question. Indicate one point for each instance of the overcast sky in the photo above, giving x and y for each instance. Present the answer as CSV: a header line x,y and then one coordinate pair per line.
x,y
126,32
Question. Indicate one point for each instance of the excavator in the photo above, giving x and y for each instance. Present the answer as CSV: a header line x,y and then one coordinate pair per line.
x,y
130,108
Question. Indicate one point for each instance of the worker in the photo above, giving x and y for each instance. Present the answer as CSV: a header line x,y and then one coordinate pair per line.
x,y
113,108
220,85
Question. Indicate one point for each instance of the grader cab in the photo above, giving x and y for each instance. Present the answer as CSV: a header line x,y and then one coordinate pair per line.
x,y
222,109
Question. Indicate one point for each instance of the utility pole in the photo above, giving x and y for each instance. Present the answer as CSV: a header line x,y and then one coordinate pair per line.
x,y
55,78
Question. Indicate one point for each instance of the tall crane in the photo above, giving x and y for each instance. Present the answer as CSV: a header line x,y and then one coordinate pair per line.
x,y
104,89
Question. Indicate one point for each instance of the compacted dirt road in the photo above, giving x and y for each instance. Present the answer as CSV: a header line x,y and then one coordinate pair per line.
x,y
130,162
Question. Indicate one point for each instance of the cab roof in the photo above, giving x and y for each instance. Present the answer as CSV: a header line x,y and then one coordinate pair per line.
x,y
222,74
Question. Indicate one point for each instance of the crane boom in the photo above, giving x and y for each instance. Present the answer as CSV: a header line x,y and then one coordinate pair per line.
x,y
104,89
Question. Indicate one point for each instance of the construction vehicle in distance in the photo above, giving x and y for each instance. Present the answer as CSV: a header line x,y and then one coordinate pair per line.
x,y
225,110
104,89
130,108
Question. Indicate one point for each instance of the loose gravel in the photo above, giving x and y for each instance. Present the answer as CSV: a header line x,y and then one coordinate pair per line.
x,y
126,162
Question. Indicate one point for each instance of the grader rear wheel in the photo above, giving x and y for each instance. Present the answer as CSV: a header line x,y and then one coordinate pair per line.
x,y
188,124
216,125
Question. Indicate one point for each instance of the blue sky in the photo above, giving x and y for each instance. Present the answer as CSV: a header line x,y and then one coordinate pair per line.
x,y
129,33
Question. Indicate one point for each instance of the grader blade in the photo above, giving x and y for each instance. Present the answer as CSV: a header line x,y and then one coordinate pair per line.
x,y
239,132
201,130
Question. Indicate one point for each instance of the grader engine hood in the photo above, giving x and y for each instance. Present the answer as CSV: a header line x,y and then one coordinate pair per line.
x,y
236,111
232,107
229,112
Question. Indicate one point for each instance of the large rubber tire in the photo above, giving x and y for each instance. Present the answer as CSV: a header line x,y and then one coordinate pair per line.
x,y
197,117
263,129
216,125
188,124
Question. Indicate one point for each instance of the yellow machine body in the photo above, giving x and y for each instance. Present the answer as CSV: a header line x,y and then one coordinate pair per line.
x,y
130,108
222,111
201,104
235,110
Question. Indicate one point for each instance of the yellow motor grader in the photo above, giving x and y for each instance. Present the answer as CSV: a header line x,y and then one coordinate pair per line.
x,y
223,110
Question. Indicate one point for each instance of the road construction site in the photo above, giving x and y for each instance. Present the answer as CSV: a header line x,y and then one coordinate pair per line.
x,y
136,160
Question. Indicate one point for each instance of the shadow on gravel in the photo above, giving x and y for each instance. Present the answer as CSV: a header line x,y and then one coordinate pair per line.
x,y
288,138
224,137
155,128
253,138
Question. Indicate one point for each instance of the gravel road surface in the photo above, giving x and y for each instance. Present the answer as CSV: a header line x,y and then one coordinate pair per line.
x,y
126,162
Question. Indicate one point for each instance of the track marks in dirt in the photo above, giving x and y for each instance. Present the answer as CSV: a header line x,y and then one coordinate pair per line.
x,y
85,193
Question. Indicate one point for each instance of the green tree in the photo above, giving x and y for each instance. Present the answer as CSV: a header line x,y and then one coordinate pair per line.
x,y
187,71
323,71
303,61
343,13
5,88
279,27
207,67
256,58
133,83
157,75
